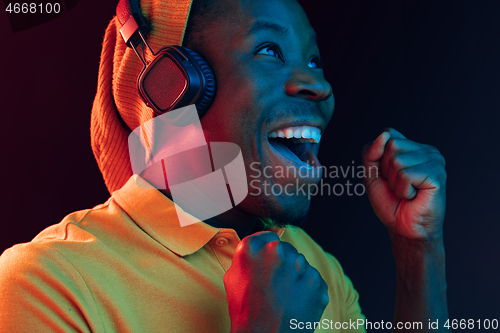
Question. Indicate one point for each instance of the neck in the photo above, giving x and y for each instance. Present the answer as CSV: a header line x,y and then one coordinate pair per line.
x,y
242,222
242,229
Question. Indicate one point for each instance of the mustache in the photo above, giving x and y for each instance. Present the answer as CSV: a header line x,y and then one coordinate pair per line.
x,y
300,111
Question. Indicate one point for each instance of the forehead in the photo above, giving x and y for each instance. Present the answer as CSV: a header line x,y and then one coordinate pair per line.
x,y
255,16
282,10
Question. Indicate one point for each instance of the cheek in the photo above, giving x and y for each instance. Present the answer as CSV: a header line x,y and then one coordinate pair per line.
x,y
213,127
234,112
222,126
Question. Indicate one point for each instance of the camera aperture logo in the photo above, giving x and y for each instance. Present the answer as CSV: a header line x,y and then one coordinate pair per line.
x,y
264,180
204,180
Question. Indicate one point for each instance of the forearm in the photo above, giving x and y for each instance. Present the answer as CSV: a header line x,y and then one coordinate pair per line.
x,y
421,283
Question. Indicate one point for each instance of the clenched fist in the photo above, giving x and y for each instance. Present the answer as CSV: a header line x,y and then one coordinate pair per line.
x,y
269,283
407,185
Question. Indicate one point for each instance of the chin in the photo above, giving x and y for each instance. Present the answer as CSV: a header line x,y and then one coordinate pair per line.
x,y
282,210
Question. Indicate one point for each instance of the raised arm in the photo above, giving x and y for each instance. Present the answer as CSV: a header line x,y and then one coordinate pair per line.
x,y
406,187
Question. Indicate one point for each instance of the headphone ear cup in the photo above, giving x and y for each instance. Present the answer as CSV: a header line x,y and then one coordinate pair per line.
x,y
208,95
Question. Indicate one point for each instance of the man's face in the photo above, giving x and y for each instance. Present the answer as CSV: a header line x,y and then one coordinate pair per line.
x,y
269,81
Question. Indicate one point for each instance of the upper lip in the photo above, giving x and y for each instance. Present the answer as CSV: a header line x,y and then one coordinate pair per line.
x,y
298,122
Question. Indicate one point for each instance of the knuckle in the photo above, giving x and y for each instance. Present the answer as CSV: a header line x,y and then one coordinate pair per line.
x,y
437,168
402,175
432,149
289,255
442,175
314,276
389,129
280,246
240,249
441,159
301,258
246,241
391,144
445,179
325,299
245,246
324,285
394,162
289,248
281,251
300,263
256,243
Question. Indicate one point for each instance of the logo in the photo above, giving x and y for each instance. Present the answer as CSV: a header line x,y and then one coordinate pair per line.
x,y
205,180
26,15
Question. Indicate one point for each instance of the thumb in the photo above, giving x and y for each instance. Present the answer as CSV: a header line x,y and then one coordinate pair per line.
x,y
372,152
372,157
260,239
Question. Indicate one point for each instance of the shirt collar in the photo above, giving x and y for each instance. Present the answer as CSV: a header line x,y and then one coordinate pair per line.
x,y
156,214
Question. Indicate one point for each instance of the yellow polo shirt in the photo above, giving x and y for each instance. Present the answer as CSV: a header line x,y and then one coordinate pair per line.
x,y
128,266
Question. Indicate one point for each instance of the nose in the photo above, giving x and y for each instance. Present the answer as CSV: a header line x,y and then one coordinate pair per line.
x,y
305,83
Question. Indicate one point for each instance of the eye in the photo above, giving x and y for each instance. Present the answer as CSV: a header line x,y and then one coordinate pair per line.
x,y
315,62
270,49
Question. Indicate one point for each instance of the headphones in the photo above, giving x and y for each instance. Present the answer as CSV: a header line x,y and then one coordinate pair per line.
x,y
176,77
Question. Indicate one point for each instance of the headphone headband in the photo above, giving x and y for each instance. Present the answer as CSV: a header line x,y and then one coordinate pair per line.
x,y
176,77
135,26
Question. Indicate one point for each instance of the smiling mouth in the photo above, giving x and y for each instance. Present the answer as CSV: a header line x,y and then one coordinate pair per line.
x,y
297,144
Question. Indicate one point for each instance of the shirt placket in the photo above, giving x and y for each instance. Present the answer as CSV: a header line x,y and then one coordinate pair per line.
x,y
224,244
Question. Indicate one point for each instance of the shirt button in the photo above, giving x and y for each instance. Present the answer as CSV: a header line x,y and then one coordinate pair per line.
x,y
221,241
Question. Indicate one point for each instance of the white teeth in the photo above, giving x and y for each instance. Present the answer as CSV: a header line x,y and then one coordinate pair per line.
x,y
298,132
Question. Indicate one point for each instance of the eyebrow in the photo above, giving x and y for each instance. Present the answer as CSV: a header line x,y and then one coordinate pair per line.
x,y
260,25
266,25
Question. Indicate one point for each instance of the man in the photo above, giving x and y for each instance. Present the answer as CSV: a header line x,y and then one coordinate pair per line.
x,y
127,265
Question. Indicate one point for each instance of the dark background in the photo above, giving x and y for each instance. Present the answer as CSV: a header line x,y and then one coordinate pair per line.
x,y
430,69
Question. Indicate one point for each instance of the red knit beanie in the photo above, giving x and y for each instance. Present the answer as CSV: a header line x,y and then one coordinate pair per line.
x,y
118,108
